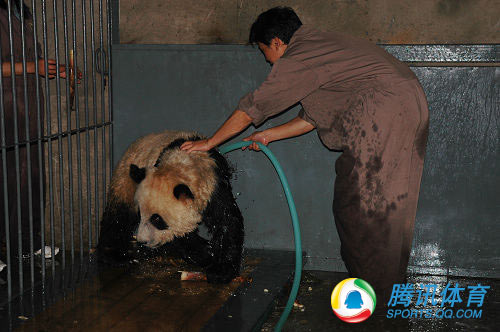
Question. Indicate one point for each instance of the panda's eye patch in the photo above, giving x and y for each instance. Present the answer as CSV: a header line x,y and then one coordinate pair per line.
x,y
181,191
158,222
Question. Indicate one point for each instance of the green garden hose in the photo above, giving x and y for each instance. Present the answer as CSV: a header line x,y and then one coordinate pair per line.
x,y
295,222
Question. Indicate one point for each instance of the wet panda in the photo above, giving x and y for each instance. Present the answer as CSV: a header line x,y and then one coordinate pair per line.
x,y
160,195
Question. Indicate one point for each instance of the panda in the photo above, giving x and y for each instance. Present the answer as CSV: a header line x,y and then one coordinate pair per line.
x,y
159,195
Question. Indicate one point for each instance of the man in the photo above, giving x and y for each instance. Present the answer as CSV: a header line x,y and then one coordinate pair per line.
x,y
20,105
363,102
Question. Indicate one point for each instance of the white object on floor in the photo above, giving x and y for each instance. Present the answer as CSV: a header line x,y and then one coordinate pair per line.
x,y
48,252
2,266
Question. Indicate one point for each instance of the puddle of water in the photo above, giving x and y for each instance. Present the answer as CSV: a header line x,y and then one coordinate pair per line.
x,y
148,296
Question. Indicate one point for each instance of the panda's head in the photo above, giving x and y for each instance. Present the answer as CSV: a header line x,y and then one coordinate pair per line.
x,y
172,195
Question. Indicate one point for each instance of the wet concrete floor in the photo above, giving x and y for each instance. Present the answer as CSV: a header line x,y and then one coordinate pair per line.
x,y
147,297
151,297
317,315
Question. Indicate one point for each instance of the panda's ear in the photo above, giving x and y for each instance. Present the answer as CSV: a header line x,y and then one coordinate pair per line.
x,y
137,174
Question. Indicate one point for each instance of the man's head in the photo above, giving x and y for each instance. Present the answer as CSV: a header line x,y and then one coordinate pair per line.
x,y
272,31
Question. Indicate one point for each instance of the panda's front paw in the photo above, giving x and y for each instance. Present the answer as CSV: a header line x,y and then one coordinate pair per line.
x,y
217,275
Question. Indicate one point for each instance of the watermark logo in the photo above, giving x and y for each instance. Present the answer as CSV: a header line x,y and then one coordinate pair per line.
x,y
353,300
424,301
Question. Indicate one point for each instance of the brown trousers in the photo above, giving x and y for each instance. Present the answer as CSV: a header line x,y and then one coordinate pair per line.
x,y
37,199
23,222
378,182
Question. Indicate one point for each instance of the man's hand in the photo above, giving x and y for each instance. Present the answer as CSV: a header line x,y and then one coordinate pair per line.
x,y
52,69
202,145
258,136
235,124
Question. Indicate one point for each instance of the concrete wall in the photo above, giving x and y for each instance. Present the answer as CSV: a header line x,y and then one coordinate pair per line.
x,y
382,21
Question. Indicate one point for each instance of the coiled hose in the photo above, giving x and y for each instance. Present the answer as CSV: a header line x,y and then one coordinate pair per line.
x,y
295,222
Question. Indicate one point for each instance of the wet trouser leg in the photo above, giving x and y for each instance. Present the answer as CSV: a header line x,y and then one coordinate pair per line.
x,y
378,182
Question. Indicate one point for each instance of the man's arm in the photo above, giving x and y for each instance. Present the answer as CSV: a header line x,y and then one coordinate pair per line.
x,y
30,68
294,127
288,82
18,67
235,124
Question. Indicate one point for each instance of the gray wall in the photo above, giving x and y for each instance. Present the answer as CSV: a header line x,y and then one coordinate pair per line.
x,y
196,87
387,21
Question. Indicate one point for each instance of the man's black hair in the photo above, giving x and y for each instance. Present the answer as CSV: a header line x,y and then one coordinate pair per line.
x,y
279,22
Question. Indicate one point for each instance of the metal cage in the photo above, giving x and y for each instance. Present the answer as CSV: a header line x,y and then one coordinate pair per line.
x,y
55,136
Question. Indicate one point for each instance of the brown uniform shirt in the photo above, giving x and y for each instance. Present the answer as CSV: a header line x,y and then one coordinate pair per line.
x,y
368,104
324,72
8,96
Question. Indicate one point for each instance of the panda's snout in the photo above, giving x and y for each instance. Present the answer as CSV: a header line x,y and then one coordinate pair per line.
x,y
157,221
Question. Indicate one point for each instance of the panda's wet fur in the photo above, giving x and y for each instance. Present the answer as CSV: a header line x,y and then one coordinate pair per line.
x,y
156,162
